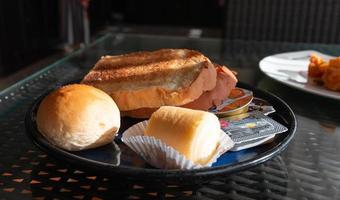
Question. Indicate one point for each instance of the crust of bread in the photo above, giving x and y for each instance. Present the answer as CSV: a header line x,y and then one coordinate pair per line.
x,y
153,79
141,113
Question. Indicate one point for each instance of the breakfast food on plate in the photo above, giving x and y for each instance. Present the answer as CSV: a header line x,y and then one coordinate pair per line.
x,y
324,73
331,77
193,133
316,68
176,137
77,117
142,82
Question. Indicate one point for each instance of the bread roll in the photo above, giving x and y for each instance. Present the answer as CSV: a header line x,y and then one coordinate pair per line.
x,y
193,133
77,117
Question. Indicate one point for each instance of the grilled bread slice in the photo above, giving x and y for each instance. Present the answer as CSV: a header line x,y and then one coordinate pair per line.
x,y
153,79
226,81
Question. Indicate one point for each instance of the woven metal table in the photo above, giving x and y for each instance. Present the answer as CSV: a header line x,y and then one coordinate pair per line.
x,y
308,169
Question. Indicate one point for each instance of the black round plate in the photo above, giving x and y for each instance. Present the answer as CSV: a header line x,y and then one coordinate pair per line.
x,y
124,163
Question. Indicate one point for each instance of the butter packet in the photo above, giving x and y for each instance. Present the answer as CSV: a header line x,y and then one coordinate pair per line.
x,y
237,102
250,126
160,155
252,143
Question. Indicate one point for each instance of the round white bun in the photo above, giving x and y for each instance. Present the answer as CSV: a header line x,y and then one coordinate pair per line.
x,y
77,117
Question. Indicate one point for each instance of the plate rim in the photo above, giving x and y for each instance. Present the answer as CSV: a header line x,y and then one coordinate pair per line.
x,y
143,173
325,92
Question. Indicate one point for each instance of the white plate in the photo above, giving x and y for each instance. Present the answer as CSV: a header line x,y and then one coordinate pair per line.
x,y
291,69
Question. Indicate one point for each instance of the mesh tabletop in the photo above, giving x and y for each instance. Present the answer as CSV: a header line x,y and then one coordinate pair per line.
x,y
308,169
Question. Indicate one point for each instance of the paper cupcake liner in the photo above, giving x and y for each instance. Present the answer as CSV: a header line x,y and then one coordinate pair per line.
x,y
160,155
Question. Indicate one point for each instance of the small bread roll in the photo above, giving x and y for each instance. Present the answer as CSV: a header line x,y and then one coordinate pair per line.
x,y
77,117
193,133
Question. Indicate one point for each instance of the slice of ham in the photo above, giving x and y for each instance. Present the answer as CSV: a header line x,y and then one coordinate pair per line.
x,y
225,82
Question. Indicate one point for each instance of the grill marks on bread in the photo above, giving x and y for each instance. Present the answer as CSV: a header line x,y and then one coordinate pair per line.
x,y
167,67
152,79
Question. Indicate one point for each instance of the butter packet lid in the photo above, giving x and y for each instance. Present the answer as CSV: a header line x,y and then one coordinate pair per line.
x,y
250,126
236,103
160,155
261,105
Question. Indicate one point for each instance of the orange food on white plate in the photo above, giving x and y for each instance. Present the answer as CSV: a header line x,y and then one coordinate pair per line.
x,y
324,73
331,77
316,69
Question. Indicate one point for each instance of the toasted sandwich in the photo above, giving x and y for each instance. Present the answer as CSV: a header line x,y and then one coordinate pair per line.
x,y
141,82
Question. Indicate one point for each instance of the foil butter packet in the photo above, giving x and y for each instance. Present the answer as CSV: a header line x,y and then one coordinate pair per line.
x,y
252,143
237,102
250,128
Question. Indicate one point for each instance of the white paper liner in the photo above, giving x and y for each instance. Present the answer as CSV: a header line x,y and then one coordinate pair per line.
x,y
160,155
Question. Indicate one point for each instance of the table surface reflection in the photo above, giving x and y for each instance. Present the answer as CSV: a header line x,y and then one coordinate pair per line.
x,y
308,169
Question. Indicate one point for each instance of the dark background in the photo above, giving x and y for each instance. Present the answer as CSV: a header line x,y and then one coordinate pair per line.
x,y
30,30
